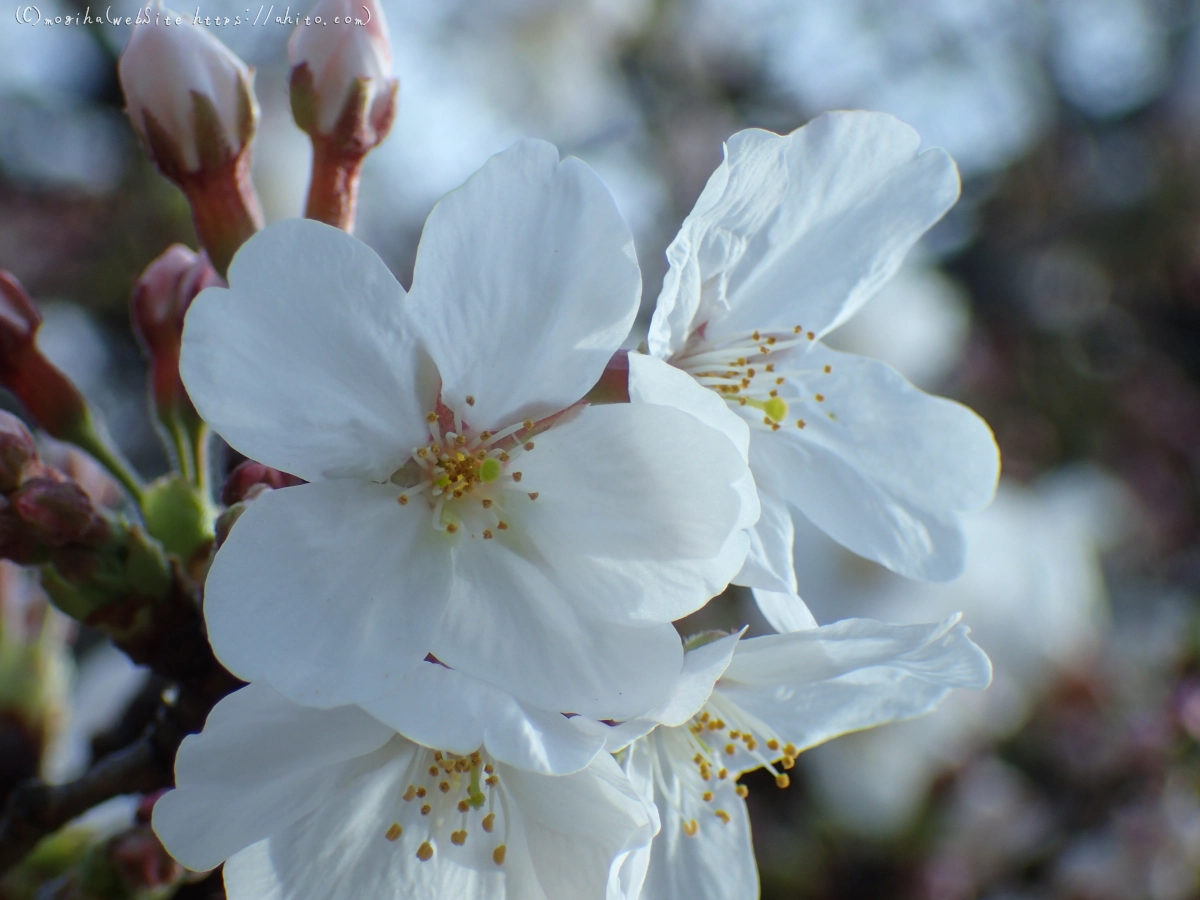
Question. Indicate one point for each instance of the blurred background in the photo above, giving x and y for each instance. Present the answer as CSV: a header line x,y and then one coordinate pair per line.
x,y
1060,299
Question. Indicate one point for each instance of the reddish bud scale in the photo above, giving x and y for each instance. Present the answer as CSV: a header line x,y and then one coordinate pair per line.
x,y
49,396
250,474
18,452
58,512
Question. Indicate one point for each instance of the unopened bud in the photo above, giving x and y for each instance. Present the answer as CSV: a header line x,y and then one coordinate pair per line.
x,y
49,396
18,452
191,101
249,475
344,96
58,512
160,300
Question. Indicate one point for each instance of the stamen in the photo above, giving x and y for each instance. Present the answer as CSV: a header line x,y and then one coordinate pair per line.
x,y
393,833
425,852
499,853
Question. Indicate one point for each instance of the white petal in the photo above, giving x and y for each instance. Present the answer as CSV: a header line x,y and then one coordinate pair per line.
x,y
636,504
785,612
306,363
260,764
717,863
769,564
810,686
880,466
328,591
452,711
340,849
577,825
526,282
702,666
653,381
803,228
510,624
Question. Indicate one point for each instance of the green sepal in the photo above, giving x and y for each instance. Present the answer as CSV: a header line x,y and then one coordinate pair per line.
x,y
178,514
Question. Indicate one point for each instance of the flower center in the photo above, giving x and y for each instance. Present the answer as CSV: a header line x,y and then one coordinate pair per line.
x,y
469,480
738,369
452,804
722,742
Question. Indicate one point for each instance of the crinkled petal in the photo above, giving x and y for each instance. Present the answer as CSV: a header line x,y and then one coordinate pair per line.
x,y
526,282
513,624
810,686
577,826
260,764
769,564
784,611
802,228
451,711
328,591
306,362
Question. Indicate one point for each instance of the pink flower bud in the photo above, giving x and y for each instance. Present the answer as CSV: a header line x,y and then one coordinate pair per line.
x,y
348,63
187,94
160,300
58,512
49,396
18,453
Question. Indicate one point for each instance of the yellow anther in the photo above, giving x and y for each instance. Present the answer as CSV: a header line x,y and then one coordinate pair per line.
x,y
487,534
503,457
529,445
444,787
820,398
782,780
490,469
502,525
402,499
797,329
433,770
790,749
425,851
460,440
533,495
498,854
489,822
764,349
788,762
774,393
489,768
756,337
722,815
431,417
828,369
487,504
411,792
743,791
800,423
492,780
426,809
528,423
463,805
421,792
393,833
735,734
691,827
730,749
772,744
470,400
708,796
458,838
770,367
451,528
751,743
517,476
771,340
780,380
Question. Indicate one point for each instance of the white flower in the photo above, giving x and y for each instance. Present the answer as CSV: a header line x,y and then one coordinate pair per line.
x,y
187,94
771,698
344,56
321,804
544,551
789,238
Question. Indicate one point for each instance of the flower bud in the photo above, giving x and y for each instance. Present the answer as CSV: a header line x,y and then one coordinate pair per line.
x,y
58,512
18,452
49,396
344,96
160,300
191,101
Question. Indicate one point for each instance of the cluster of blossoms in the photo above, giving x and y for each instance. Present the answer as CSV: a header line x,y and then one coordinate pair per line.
x,y
451,568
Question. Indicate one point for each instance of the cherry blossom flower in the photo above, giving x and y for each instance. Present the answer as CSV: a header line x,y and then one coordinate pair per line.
x,y
790,237
304,803
462,502
742,705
